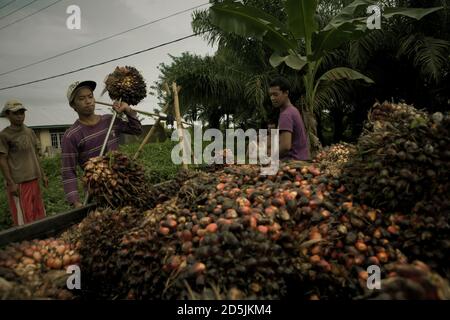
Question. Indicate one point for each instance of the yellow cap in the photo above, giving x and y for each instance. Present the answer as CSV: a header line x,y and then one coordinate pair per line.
x,y
12,105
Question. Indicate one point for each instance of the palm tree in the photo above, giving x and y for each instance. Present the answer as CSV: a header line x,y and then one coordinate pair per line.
x,y
206,86
250,58
407,61
222,86
302,31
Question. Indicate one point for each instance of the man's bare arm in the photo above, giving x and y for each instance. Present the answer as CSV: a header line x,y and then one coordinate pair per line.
x,y
5,168
7,173
285,143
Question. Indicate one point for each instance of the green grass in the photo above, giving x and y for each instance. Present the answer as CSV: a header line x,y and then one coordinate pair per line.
x,y
155,158
54,199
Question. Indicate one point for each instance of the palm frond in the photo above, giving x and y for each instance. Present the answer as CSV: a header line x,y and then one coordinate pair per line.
x,y
255,92
361,50
202,24
333,59
428,54
329,93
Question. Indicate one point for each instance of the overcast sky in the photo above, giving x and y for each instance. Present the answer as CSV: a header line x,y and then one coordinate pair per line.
x,y
45,34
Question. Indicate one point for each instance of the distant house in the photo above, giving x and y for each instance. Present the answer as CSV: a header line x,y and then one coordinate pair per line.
x,y
50,123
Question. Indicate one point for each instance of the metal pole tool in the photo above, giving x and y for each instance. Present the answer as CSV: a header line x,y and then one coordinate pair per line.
x,y
105,143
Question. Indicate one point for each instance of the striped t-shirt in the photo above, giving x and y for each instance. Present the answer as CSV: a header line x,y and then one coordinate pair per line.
x,y
82,142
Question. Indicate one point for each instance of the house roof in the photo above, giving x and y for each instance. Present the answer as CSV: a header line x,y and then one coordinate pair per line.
x,y
57,117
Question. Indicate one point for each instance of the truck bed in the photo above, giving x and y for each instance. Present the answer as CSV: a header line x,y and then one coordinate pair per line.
x,y
44,228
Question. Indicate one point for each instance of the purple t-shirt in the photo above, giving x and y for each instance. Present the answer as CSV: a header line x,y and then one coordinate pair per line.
x,y
82,142
290,120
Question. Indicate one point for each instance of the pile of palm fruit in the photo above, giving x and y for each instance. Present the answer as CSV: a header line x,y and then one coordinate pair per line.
x,y
37,269
402,160
238,234
402,164
332,159
302,233
411,282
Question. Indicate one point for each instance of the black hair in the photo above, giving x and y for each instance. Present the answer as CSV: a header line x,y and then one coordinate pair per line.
x,y
281,82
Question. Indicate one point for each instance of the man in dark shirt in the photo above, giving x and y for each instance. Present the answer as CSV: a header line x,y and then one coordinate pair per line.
x,y
293,137
84,139
20,165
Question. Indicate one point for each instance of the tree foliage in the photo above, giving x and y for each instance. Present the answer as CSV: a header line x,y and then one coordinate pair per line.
x,y
405,60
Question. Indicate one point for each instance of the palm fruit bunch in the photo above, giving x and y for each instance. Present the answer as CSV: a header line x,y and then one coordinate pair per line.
x,y
216,293
36,269
48,254
115,180
126,84
423,237
340,152
411,282
101,234
10,290
402,165
332,159
402,161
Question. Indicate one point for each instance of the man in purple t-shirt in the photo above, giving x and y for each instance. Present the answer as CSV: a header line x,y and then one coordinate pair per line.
x,y
84,139
293,137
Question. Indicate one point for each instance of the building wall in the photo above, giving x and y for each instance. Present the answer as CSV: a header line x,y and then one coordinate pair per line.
x,y
44,137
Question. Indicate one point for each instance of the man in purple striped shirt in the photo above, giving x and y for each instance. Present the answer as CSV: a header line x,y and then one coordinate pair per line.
x,y
84,139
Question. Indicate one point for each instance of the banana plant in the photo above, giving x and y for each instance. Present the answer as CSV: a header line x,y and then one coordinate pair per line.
x,y
301,30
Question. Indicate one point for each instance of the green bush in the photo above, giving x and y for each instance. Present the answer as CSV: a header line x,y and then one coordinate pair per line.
x,y
54,198
155,157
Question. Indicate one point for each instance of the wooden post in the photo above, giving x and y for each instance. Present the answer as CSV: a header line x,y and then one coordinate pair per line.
x,y
178,118
145,113
153,129
150,133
